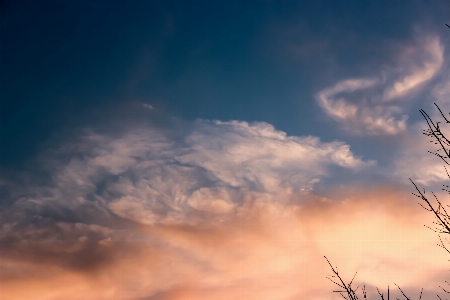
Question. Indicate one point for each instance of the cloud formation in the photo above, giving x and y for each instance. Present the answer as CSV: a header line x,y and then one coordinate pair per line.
x,y
370,106
214,210
271,251
431,60
150,175
413,159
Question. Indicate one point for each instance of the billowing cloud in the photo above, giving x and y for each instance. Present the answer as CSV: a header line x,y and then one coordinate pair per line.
x,y
215,210
368,106
150,175
270,251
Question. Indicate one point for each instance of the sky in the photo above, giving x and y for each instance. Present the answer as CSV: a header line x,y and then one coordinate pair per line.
x,y
178,150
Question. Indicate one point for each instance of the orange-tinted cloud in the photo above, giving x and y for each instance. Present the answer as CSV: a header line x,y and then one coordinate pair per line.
x,y
268,250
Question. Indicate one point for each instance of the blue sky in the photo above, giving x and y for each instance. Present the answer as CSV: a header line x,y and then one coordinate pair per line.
x,y
253,61
186,121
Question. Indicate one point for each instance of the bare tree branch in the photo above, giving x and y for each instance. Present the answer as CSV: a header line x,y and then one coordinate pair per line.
x,y
442,222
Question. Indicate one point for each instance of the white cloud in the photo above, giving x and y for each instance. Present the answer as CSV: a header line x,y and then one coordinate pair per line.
x,y
340,109
240,154
149,176
147,106
432,59
441,95
375,113
413,159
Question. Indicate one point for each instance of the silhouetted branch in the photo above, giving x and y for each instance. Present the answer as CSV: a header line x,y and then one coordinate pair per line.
x,y
439,211
348,289
434,130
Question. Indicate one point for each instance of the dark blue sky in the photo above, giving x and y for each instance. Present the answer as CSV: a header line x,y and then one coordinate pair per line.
x,y
67,64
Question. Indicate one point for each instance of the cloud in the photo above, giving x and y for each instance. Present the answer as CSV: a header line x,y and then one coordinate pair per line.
x,y
240,154
151,175
367,106
271,251
214,210
432,60
441,95
360,117
413,159
147,106
216,165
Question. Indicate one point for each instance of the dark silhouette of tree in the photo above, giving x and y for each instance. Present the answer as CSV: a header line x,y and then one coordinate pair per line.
x,y
431,204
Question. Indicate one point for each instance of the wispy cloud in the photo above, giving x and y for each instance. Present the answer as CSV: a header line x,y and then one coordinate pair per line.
x,y
148,106
430,59
368,106
413,159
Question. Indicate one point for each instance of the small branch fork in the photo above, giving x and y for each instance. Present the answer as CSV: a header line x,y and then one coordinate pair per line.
x,y
443,218
348,292
434,131
347,288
